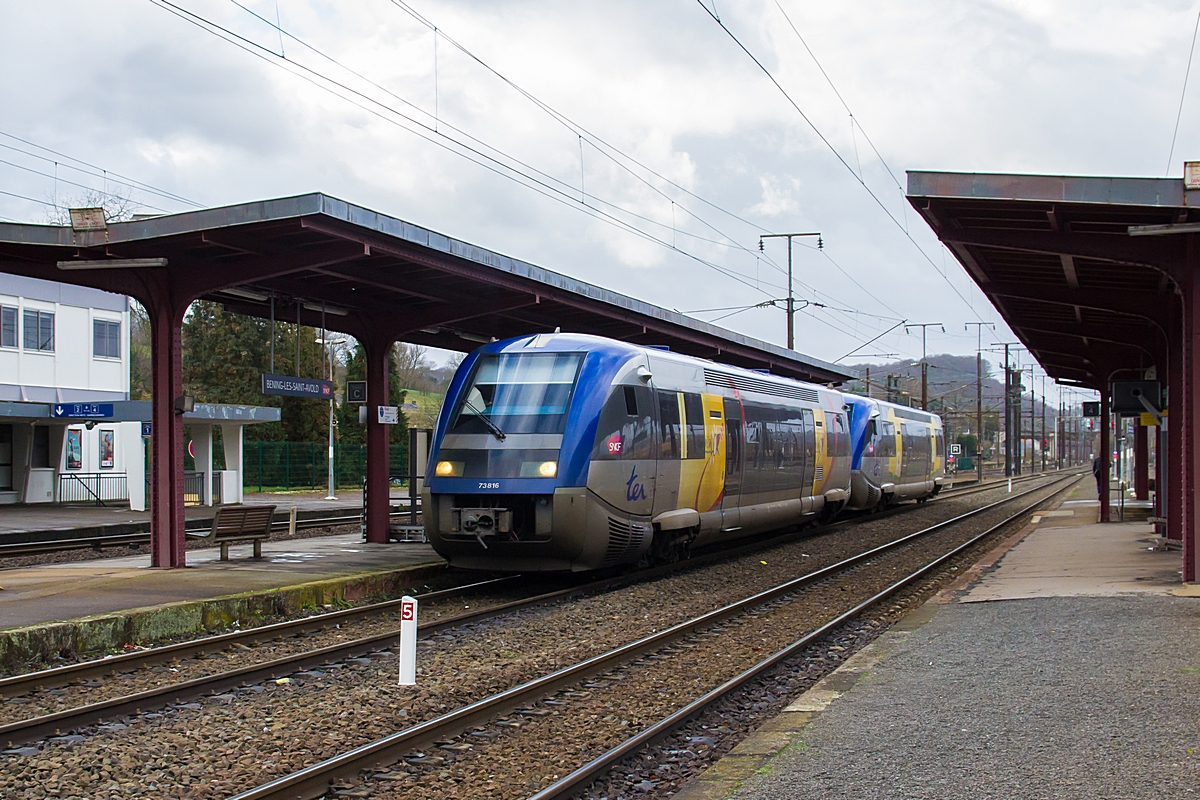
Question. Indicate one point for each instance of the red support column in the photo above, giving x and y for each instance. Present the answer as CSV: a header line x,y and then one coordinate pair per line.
x,y
1172,457
377,351
1141,463
1105,453
166,442
1191,412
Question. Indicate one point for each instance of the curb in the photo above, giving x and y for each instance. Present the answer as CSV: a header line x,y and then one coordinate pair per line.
x,y
105,633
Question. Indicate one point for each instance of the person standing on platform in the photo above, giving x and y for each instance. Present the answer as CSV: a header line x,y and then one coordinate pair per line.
x,y
1097,470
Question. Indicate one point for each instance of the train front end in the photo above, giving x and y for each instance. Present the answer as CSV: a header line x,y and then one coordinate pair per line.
x,y
509,461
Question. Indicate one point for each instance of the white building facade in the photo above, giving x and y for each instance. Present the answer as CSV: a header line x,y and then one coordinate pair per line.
x,y
62,345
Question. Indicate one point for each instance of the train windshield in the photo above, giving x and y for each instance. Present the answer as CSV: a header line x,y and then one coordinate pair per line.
x,y
518,393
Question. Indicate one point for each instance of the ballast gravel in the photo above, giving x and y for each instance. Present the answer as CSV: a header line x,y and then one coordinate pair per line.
x,y
235,740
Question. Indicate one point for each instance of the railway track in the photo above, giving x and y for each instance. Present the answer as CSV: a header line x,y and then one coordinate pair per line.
x,y
48,724
669,653
10,549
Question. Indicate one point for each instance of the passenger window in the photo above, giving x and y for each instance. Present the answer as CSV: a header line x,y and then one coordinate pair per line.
x,y
626,426
693,411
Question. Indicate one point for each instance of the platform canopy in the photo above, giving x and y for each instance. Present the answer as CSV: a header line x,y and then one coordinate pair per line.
x,y
1099,279
324,262
1081,268
428,288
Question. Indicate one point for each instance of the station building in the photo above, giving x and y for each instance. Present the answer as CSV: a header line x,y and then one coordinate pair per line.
x,y
64,345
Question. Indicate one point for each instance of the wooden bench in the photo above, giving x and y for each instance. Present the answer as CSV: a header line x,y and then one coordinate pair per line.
x,y
241,524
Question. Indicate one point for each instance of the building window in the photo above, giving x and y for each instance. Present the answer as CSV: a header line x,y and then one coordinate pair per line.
x,y
39,330
8,326
106,338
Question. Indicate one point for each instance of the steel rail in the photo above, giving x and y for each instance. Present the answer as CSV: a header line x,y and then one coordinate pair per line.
x,y
72,673
10,549
315,780
580,778
13,549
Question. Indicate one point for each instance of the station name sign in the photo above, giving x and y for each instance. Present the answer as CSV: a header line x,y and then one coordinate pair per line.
x,y
297,387
82,410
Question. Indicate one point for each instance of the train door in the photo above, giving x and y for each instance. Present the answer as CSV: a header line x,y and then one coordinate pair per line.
x,y
669,435
735,448
808,450
906,452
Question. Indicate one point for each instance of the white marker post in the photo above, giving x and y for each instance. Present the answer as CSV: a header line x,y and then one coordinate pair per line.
x,y
408,641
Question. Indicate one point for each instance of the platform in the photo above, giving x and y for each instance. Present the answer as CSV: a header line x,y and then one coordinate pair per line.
x,y
1044,673
95,606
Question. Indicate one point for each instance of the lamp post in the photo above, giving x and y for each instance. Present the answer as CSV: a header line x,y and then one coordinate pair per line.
x,y
330,343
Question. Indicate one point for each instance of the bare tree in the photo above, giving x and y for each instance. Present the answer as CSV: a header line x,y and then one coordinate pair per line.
x,y
117,207
412,366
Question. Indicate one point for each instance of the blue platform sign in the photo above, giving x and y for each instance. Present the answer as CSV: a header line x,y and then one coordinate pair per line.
x,y
297,387
81,410
147,428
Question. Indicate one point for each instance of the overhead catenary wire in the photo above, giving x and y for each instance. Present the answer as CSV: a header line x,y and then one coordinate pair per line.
x,y
423,131
57,179
841,159
1183,93
581,133
115,177
476,155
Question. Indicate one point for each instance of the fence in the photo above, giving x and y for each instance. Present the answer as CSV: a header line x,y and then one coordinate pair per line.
x,y
92,487
193,488
305,465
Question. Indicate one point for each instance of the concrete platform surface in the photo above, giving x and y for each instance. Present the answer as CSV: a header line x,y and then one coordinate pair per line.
x,y
51,592
1066,664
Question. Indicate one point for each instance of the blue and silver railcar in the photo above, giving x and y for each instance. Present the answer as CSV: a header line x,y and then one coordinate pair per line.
x,y
572,452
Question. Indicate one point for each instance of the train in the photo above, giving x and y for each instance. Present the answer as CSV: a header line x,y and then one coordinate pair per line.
x,y
571,452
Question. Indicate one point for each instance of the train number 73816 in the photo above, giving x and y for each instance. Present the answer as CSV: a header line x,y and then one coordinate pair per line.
x,y
489,484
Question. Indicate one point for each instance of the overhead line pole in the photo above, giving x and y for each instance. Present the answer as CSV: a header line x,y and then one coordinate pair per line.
x,y
979,393
924,364
791,298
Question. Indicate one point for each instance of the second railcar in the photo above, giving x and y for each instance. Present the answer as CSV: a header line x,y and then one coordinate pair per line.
x,y
899,453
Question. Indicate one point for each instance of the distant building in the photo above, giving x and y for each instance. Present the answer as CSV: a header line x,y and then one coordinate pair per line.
x,y
62,344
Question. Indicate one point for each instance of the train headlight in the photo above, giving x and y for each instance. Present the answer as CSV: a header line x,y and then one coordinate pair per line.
x,y
448,469
539,469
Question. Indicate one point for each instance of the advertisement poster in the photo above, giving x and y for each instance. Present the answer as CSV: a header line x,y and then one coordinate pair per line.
x,y
74,449
107,450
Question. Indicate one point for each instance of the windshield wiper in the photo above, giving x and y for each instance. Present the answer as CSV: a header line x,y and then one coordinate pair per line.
x,y
493,427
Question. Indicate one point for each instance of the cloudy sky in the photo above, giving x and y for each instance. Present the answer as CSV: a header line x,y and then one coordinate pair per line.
x,y
629,144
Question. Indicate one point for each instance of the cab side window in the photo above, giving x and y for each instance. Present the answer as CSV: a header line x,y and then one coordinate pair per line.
x,y
626,427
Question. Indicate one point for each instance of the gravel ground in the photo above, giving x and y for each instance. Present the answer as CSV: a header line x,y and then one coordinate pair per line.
x,y
235,740
1043,698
